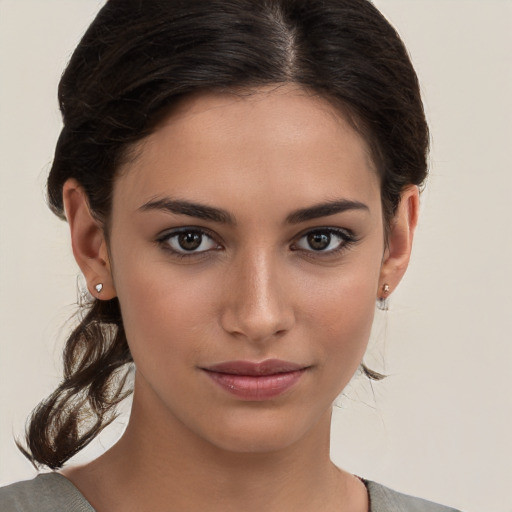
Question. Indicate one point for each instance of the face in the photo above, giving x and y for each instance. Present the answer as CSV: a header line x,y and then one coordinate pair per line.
x,y
246,246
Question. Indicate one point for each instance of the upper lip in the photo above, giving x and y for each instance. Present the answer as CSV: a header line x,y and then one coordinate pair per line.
x,y
267,367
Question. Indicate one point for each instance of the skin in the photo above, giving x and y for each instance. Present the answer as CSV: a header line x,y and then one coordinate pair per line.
x,y
257,290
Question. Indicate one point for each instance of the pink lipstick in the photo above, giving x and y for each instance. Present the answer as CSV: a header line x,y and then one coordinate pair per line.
x,y
256,381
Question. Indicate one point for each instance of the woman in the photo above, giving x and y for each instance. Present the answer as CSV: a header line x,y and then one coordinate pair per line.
x,y
241,183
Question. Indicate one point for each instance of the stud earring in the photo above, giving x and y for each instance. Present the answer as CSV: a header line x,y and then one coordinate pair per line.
x,y
99,287
382,302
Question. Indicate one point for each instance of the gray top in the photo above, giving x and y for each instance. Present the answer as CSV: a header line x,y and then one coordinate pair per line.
x,y
50,492
53,492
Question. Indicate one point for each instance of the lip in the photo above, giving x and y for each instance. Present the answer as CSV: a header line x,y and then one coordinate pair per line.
x,y
256,381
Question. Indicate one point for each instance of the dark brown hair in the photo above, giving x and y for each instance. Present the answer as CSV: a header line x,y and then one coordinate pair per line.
x,y
138,59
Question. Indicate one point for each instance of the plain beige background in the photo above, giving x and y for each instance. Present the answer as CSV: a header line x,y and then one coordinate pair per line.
x,y
440,426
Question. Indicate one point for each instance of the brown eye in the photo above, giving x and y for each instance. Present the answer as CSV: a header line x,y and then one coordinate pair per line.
x,y
188,241
325,241
319,241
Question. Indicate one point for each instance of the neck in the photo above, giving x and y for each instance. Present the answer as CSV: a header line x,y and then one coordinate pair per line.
x,y
159,464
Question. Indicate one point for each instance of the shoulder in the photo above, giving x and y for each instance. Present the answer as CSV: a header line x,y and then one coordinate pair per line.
x,y
50,492
383,499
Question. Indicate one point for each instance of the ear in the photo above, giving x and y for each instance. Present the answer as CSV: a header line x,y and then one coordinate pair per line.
x,y
88,241
399,246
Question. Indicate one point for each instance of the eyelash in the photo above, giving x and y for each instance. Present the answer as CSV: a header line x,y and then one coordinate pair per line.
x,y
163,241
347,238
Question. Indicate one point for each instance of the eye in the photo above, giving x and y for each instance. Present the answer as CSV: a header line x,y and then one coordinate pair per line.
x,y
325,240
188,241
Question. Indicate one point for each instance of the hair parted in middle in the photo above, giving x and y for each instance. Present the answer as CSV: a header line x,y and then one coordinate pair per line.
x,y
139,59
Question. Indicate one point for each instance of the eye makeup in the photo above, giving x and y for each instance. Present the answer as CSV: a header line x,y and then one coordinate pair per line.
x,y
197,242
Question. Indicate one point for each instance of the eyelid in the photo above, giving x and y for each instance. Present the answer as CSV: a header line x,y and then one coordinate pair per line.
x,y
162,239
347,238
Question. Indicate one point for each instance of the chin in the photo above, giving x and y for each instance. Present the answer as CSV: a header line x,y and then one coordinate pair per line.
x,y
256,442
264,432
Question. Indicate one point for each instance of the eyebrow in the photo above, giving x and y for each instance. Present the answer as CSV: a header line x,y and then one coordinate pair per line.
x,y
183,207
201,211
324,210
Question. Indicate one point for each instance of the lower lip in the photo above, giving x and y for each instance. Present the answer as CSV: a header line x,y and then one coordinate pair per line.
x,y
256,387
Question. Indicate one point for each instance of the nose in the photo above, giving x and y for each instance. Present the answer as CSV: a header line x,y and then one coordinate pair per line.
x,y
256,305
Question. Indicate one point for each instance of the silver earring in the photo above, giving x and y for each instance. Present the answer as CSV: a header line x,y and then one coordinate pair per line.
x,y
99,287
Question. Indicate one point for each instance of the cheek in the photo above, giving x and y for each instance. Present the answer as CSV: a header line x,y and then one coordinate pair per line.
x,y
162,311
343,321
171,313
344,331
339,313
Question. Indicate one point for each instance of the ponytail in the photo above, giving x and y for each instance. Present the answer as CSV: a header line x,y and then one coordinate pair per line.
x,y
96,368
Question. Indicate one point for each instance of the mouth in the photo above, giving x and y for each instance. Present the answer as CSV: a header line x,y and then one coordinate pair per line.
x,y
256,381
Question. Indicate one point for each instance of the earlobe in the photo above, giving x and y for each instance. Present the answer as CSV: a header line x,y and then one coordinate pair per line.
x,y
88,241
400,238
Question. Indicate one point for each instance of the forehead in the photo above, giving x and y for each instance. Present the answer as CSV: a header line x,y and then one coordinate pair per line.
x,y
280,142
